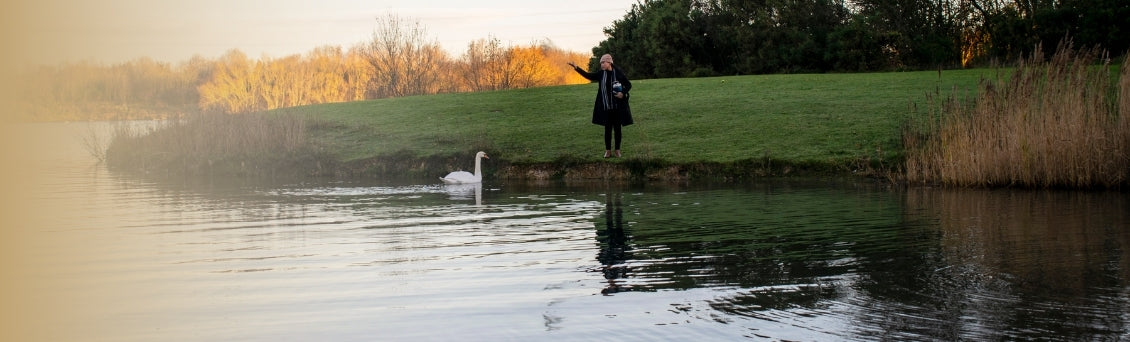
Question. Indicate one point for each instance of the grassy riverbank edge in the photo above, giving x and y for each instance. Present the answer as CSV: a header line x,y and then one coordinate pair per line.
x,y
720,128
402,166
306,160
728,128
571,167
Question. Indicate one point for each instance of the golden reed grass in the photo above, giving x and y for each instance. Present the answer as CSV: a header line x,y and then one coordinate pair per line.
x,y
1059,123
250,144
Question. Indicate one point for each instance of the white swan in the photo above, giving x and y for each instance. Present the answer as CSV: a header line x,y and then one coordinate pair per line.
x,y
464,177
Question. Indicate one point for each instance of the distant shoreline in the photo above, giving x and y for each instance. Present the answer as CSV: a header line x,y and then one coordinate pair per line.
x,y
720,128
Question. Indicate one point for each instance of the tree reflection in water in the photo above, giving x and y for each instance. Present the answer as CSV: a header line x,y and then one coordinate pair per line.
x,y
865,263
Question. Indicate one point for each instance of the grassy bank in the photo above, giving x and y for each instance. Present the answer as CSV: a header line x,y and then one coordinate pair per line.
x,y
729,127
724,126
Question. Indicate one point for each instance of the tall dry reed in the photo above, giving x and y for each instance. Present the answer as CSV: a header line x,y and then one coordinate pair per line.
x,y
251,144
1056,123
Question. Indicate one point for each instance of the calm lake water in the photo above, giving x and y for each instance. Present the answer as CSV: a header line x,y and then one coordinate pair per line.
x,y
118,258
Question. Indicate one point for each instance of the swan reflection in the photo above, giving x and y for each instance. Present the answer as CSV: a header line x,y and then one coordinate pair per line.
x,y
460,192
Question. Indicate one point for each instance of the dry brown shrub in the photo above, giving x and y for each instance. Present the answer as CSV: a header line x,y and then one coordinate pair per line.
x,y
1055,123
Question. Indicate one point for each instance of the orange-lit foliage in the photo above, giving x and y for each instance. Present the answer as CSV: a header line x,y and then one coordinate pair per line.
x,y
479,66
559,59
87,90
229,89
398,61
529,68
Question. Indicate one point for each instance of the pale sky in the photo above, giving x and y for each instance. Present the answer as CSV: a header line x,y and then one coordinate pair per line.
x,y
113,31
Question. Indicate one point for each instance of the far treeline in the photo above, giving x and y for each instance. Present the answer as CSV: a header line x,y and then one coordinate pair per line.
x,y
655,39
685,38
400,60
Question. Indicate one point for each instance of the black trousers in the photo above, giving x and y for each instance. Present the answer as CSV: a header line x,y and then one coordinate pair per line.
x,y
612,130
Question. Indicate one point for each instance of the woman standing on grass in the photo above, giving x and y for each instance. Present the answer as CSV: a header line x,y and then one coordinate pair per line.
x,y
611,109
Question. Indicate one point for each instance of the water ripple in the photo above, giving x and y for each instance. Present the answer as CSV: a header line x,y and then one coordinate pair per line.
x,y
220,259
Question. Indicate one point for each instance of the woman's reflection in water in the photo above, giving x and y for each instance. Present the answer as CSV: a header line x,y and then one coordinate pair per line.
x,y
614,248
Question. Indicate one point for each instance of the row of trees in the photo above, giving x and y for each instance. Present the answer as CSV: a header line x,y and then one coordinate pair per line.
x,y
655,39
679,38
400,60
142,88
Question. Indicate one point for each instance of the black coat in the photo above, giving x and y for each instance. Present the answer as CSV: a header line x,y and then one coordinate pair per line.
x,y
620,110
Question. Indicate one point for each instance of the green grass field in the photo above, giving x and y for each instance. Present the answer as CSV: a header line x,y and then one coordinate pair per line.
x,y
812,119
729,127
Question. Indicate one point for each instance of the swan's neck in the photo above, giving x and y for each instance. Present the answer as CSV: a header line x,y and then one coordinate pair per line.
x,y
478,166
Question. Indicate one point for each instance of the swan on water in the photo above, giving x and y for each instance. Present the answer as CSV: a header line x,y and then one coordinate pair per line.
x,y
464,177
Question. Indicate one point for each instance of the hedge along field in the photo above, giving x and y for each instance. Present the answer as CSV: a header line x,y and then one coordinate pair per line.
x,y
807,120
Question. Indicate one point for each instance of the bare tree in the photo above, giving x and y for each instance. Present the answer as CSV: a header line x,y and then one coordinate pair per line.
x,y
403,60
230,88
358,73
480,69
530,68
